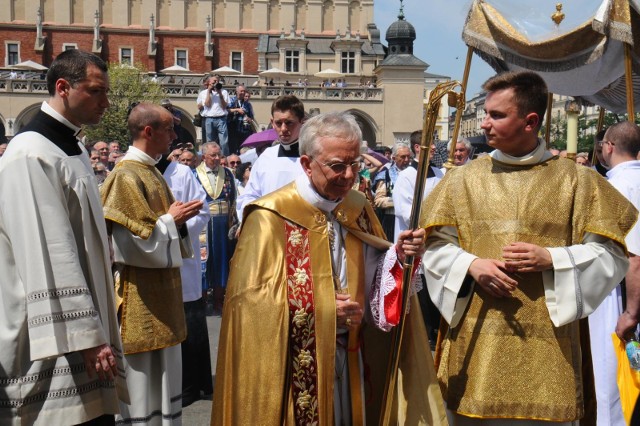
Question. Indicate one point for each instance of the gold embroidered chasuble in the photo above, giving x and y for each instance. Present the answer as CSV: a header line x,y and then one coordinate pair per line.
x,y
505,358
276,361
135,195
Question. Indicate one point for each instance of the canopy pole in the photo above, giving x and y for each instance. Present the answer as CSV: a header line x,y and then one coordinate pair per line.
x,y
547,135
456,126
629,79
594,156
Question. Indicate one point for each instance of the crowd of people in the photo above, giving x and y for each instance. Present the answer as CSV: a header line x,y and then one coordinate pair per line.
x,y
114,254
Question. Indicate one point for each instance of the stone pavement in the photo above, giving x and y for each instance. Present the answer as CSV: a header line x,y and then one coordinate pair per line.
x,y
199,413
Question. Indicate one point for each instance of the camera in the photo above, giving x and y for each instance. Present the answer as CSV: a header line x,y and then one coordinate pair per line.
x,y
218,86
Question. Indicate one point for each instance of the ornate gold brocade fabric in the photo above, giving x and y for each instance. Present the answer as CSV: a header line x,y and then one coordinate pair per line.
x,y
505,358
135,195
490,33
254,370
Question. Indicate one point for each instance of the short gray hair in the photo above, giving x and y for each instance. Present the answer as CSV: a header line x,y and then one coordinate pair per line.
x,y
466,142
400,145
209,145
331,124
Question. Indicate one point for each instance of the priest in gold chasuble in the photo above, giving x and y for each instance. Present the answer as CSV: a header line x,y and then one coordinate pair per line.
x,y
521,246
299,343
149,242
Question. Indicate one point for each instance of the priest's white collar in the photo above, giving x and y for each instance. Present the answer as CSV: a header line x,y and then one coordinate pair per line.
x,y
311,196
289,146
48,109
136,154
536,156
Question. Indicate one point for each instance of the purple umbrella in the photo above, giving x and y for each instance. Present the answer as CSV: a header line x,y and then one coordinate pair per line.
x,y
378,156
265,137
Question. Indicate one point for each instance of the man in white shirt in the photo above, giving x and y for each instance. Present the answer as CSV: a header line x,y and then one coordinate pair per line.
x,y
280,164
620,146
212,103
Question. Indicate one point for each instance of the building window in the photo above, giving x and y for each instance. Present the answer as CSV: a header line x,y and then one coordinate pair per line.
x,y
236,61
182,59
126,56
69,46
292,60
348,62
13,53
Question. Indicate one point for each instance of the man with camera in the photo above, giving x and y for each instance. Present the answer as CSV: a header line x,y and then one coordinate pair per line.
x,y
212,103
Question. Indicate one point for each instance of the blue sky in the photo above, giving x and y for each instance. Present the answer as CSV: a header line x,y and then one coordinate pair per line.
x,y
438,25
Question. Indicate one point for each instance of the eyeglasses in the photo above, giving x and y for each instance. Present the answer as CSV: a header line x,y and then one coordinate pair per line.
x,y
235,163
341,168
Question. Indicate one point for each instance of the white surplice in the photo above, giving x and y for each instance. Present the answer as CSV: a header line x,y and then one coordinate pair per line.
x,y
56,288
269,172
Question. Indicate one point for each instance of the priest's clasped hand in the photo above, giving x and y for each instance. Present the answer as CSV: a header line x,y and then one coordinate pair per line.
x,y
182,212
348,313
490,276
411,243
100,360
525,257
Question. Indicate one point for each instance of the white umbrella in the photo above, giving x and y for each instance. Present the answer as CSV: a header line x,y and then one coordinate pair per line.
x,y
329,73
225,71
28,65
273,72
176,69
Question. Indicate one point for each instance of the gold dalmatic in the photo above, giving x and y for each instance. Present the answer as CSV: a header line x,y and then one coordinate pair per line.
x,y
148,300
506,358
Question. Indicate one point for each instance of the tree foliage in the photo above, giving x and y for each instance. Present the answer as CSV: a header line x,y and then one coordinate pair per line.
x,y
128,84
586,130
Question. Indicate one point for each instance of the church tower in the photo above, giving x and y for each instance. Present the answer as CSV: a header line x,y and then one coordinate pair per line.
x,y
402,76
